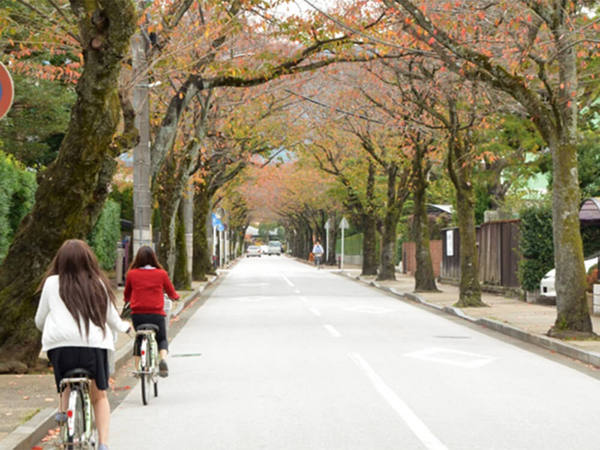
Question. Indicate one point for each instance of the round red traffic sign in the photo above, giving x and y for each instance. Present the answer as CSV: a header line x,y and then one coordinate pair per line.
x,y
7,91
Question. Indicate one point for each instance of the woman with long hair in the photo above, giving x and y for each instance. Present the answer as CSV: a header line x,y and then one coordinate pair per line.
x,y
75,312
145,286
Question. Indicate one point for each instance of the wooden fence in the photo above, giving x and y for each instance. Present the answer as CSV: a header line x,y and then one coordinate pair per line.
x,y
409,260
498,244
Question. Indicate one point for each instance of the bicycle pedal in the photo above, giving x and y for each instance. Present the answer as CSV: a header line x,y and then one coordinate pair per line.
x,y
60,418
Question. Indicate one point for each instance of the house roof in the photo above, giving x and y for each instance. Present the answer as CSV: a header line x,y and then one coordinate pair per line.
x,y
590,210
437,209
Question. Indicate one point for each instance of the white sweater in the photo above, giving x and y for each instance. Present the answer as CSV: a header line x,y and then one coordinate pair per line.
x,y
59,329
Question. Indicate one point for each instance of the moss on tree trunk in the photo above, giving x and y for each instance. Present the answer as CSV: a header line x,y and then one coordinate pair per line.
x,y
73,188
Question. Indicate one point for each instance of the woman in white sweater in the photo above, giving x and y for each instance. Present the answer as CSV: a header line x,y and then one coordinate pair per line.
x,y
75,312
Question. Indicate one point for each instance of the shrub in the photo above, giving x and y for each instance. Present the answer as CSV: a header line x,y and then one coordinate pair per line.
x,y
17,193
106,234
536,246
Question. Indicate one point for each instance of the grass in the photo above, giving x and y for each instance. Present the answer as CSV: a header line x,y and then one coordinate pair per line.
x,y
29,416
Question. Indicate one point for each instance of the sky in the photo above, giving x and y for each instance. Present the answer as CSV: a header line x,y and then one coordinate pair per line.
x,y
299,7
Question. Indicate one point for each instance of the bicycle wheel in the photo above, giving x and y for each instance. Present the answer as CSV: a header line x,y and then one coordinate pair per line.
x,y
156,388
143,381
75,419
91,433
144,368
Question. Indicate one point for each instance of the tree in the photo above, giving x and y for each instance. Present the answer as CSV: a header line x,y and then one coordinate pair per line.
x,y
528,50
73,188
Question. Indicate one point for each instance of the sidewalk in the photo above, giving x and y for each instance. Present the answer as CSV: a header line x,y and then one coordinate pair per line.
x,y
525,321
28,402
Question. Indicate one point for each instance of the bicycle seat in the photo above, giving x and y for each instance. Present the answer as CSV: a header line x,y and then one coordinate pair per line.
x,y
148,326
78,373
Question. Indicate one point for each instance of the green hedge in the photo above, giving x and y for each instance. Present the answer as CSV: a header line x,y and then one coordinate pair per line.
x,y
536,246
352,245
17,193
106,234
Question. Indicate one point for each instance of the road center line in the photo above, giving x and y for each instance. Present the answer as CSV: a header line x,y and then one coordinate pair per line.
x,y
406,414
335,333
315,311
287,280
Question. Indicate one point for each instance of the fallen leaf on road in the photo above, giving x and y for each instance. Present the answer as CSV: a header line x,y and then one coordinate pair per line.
x,y
26,397
8,414
48,399
122,388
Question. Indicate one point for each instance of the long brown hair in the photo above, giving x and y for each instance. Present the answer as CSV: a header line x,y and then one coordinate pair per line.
x,y
145,256
83,287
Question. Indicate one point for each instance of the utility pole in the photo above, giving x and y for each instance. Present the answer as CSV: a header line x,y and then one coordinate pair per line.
x,y
188,221
142,196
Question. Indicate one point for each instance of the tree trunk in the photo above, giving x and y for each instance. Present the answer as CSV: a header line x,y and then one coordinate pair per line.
x,y
333,235
181,279
168,196
202,253
424,274
393,209
388,246
73,188
369,223
470,290
369,247
571,302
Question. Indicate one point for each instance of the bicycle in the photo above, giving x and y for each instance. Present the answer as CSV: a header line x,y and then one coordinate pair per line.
x,y
147,369
77,424
318,261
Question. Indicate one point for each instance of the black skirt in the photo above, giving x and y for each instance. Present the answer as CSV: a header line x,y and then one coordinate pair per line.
x,y
93,359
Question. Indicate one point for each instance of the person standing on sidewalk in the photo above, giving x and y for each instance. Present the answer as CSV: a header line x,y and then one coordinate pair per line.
x,y
318,253
75,312
145,286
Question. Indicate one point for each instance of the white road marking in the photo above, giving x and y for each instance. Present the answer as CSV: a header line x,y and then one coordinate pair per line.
x,y
304,299
297,291
315,311
335,333
406,414
288,281
452,357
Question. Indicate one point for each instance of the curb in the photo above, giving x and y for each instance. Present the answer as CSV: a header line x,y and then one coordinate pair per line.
x,y
31,432
539,340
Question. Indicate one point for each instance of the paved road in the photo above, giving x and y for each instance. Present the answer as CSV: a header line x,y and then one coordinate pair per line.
x,y
295,358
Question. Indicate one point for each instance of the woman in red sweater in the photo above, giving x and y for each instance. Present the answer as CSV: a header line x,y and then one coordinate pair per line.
x,y
145,286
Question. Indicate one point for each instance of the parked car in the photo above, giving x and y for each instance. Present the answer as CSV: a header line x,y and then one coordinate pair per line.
x,y
274,248
547,287
253,250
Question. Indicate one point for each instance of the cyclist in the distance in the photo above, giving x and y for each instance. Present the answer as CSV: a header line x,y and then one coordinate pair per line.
x,y
318,253
75,312
145,286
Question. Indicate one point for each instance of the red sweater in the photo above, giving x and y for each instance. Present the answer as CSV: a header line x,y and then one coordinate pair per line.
x,y
144,290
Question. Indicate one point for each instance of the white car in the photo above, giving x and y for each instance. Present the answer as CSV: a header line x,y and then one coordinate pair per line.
x,y
547,284
274,248
253,250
